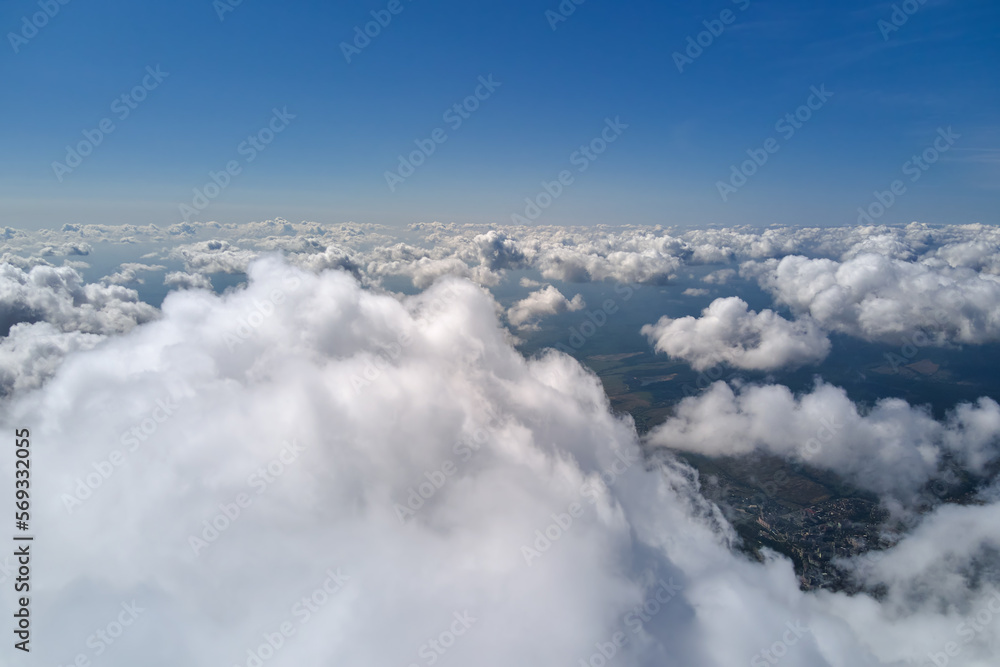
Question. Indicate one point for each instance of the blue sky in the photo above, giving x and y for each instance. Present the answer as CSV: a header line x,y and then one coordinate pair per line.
x,y
891,92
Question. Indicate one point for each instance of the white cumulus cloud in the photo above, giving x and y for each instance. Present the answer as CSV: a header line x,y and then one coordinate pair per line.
x,y
892,448
879,298
729,332
548,301
307,453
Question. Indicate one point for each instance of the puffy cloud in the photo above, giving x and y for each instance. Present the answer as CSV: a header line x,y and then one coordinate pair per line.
x,y
46,313
498,252
30,354
878,298
332,257
625,253
67,249
549,301
728,332
972,433
981,254
892,448
422,392
424,271
402,454
59,296
720,277
584,265
951,540
942,569
187,280
23,262
129,273
213,256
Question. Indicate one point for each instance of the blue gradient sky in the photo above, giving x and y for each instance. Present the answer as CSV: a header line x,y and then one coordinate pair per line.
x,y
686,129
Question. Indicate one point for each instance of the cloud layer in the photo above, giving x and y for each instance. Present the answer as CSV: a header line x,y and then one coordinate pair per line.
x,y
312,455
876,282
315,451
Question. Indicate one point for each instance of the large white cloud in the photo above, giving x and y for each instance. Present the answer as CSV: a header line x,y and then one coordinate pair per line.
x,y
729,332
892,448
381,397
342,406
878,298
